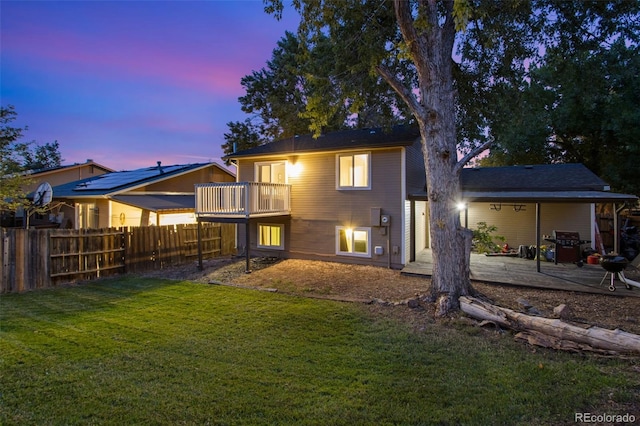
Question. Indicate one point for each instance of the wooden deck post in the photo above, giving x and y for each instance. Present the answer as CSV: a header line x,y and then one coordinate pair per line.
x,y
538,236
247,238
200,267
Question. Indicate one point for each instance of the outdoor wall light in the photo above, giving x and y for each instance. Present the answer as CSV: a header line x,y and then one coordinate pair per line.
x,y
463,206
294,169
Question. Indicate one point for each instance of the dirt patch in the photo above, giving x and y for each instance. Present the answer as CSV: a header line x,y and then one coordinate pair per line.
x,y
388,287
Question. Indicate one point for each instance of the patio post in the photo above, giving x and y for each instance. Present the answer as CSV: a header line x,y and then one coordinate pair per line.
x,y
538,236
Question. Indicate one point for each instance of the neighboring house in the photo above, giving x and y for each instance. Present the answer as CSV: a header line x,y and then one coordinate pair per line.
x,y
359,196
159,195
54,176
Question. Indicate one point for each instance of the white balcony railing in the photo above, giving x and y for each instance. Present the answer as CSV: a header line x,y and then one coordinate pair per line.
x,y
243,199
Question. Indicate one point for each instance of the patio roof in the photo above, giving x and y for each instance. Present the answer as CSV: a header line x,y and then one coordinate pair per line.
x,y
534,183
159,202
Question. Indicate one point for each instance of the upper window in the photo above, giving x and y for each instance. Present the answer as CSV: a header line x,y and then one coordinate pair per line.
x,y
353,241
354,171
271,172
271,236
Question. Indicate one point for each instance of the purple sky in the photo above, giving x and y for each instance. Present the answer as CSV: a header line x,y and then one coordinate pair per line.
x,y
130,83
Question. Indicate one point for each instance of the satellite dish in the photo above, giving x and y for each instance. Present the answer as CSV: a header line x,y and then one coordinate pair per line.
x,y
43,195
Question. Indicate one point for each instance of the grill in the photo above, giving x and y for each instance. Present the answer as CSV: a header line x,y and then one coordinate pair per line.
x,y
615,265
567,246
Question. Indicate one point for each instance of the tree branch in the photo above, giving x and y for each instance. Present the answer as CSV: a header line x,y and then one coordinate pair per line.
x,y
407,96
449,28
475,152
405,22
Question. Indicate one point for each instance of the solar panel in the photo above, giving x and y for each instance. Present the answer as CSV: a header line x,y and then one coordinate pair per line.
x,y
117,179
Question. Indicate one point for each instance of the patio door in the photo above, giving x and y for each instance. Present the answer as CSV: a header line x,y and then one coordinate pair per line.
x,y
272,172
422,225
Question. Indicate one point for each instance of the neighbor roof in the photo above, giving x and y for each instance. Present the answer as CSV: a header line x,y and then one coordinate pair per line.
x,y
38,172
345,139
117,182
571,182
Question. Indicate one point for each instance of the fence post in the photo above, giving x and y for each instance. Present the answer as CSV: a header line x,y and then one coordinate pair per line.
x,y
200,267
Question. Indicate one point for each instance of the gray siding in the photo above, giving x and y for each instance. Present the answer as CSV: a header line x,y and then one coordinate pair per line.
x,y
317,207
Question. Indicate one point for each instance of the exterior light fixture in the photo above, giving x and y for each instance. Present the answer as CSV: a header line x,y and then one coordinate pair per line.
x,y
294,169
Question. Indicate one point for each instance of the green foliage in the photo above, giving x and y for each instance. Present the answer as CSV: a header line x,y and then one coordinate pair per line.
x,y
142,351
17,157
484,238
580,102
308,85
11,179
241,135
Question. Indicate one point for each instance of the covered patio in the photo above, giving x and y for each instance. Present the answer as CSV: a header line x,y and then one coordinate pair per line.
x,y
521,272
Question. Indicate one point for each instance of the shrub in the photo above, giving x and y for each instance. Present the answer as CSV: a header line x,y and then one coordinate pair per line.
x,y
484,240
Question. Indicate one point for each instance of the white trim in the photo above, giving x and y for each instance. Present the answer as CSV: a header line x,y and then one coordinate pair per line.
x,y
355,254
271,225
406,245
353,188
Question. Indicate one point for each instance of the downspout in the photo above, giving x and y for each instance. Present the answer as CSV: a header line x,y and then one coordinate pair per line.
x,y
389,247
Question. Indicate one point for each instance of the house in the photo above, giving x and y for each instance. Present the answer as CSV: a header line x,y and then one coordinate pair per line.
x,y
158,195
342,196
54,176
359,196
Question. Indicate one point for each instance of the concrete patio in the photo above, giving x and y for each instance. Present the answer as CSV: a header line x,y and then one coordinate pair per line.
x,y
522,272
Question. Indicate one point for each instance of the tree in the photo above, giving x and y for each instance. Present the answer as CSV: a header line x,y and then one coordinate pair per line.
x,y
582,102
283,97
241,135
411,44
18,157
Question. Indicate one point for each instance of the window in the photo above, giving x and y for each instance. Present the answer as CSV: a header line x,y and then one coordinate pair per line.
x,y
271,172
353,241
271,236
353,171
87,216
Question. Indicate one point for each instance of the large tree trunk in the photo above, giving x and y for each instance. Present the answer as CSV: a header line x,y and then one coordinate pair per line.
x,y
431,45
450,243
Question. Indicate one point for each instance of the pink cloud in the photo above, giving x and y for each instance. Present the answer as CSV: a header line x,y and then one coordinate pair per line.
x,y
206,49
133,59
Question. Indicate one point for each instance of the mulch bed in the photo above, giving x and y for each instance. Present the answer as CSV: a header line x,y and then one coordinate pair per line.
x,y
386,287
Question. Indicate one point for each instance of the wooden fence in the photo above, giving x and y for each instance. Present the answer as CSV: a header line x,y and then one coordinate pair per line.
x,y
42,258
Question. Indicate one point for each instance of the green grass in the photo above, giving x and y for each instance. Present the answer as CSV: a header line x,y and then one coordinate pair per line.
x,y
141,351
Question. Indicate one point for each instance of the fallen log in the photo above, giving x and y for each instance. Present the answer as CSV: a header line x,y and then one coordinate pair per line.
x,y
554,333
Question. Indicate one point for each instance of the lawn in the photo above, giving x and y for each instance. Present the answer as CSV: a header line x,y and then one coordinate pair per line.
x,y
148,351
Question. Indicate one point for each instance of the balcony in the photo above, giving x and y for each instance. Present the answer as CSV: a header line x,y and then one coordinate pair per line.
x,y
242,200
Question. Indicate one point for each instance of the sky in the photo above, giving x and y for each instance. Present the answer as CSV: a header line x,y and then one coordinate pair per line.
x,y
131,83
